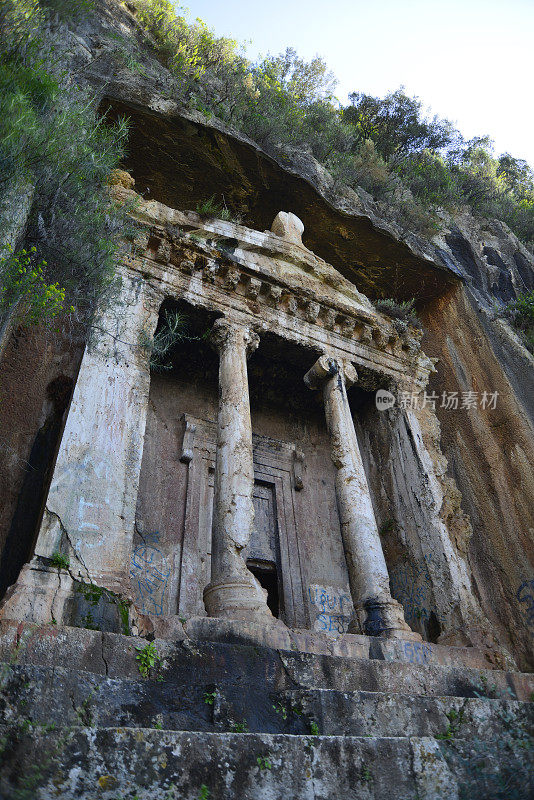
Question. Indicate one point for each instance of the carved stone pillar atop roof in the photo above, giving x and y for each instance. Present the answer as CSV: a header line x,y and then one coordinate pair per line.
x,y
288,226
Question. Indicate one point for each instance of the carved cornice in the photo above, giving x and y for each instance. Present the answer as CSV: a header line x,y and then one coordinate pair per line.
x,y
208,265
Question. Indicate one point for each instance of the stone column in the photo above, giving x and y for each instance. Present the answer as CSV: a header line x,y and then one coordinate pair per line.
x,y
89,515
233,591
368,575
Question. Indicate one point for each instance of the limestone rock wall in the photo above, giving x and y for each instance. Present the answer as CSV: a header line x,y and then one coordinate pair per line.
x,y
37,378
490,453
456,279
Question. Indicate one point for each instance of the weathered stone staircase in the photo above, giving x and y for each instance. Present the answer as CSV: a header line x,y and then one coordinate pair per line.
x,y
229,721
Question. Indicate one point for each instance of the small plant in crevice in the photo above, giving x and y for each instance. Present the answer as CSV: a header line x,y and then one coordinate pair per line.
x,y
484,688
403,311
456,719
285,710
204,792
197,238
149,659
170,331
59,560
281,709
314,728
209,697
240,727
365,774
210,208
264,762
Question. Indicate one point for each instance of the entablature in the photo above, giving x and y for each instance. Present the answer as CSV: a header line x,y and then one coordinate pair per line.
x,y
274,285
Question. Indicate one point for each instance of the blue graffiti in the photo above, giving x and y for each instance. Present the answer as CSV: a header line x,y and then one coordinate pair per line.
x,y
149,575
411,585
334,609
332,622
417,652
327,602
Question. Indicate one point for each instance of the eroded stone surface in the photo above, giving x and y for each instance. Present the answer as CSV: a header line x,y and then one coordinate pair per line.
x,y
288,226
233,590
100,724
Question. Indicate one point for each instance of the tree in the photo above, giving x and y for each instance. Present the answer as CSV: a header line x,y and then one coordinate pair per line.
x,y
396,125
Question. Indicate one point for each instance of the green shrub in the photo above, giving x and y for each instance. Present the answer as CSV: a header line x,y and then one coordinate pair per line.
x,y
50,138
210,208
24,287
403,311
170,331
59,560
381,144
148,658
520,314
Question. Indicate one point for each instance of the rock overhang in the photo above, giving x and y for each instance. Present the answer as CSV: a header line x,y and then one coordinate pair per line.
x,y
180,159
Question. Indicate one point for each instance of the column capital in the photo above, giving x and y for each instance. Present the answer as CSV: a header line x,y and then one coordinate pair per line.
x,y
226,333
326,367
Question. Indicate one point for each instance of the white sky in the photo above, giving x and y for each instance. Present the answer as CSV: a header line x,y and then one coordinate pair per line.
x,y
470,61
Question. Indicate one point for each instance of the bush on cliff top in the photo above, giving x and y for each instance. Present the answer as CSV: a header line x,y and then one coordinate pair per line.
x,y
386,145
50,138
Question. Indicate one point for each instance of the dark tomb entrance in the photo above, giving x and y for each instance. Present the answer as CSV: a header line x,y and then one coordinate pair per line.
x,y
263,551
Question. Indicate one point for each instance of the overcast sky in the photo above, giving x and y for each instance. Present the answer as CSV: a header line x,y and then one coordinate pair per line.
x,y
470,61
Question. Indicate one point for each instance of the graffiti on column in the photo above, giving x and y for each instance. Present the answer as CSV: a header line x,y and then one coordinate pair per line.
x,y
331,609
149,574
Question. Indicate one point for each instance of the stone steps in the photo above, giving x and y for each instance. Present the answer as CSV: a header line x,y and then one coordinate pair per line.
x,y
112,763
47,695
205,663
397,715
79,721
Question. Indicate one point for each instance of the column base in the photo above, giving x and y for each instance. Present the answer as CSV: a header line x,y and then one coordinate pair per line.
x,y
237,600
379,617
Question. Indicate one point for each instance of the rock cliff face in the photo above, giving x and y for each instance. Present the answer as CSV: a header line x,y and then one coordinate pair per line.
x,y
179,158
230,705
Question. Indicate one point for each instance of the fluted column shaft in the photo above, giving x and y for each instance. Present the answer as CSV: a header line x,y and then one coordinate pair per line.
x,y
368,574
233,591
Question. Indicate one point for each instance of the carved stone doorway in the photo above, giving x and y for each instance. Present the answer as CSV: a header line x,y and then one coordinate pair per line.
x,y
272,553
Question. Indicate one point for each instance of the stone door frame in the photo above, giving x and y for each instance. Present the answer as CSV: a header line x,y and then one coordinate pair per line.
x,y
274,464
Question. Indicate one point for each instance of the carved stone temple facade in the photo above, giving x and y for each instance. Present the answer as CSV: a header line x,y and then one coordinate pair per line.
x,y
255,485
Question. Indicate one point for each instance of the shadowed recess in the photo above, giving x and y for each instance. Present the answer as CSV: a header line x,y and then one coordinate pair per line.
x,y
182,163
